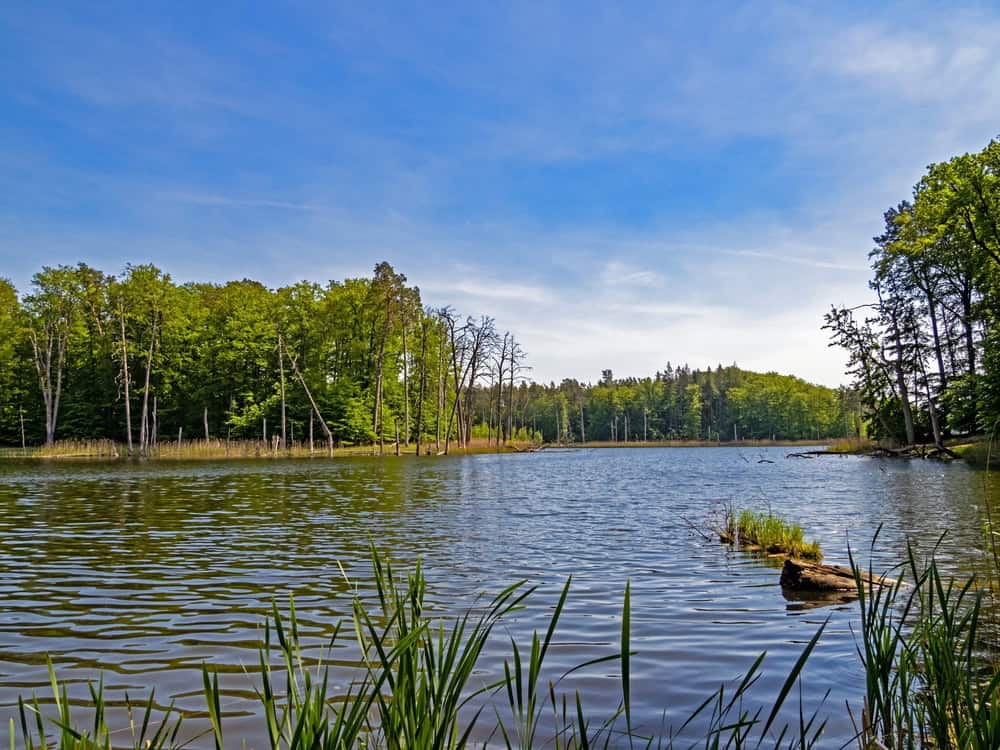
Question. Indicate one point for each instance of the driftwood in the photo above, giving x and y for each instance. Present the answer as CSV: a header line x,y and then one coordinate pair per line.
x,y
802,575
937,452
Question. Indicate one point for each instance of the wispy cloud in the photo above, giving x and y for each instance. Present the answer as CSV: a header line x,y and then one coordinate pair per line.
x,y
797,260
619,274
490,290
237,202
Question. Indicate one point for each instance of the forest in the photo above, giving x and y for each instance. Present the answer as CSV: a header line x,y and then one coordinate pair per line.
x,y
925,354
137,358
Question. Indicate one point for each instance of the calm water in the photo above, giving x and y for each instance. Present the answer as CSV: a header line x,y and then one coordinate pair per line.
x,y
146,572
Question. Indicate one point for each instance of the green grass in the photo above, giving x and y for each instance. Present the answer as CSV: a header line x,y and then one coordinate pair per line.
x,y
979,454
769,533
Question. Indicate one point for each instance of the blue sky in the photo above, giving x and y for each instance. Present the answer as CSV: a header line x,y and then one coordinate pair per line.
x,y
619,184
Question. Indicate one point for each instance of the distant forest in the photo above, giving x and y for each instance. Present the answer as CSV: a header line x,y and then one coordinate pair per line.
x,y
136,358
925,355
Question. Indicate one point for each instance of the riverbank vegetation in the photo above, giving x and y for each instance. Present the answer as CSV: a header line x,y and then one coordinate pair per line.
x,y
215,449
928,683
925,353
143,361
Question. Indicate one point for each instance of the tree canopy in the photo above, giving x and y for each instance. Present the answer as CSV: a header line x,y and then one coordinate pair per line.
x,y
925,354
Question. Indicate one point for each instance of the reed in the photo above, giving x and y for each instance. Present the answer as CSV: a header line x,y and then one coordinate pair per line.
x,y
101,448
929,682
850,445
931,676
769,533
416,687
219,449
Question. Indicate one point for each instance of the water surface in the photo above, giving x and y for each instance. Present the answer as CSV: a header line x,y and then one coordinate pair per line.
x,y
146,572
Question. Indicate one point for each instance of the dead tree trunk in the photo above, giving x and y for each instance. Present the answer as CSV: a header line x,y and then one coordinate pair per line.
x,y
281,370
406,390
144,426
423,382
312,402
802,575
377,411
126,383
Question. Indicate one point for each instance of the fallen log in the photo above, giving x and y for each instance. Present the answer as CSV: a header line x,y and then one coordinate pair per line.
x,y
802,575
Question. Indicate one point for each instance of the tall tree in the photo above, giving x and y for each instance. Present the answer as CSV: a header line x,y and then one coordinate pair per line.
x,y
52,309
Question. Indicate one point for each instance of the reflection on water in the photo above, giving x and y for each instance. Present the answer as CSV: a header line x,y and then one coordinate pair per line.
x,y
146,572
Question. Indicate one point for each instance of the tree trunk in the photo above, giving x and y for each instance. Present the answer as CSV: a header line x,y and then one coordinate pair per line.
x,y
510,390
126,384
938,353
970,348
406,391
903,391
43,366
423,383
312,402
801,575
144,425
440,394
377,427
281,370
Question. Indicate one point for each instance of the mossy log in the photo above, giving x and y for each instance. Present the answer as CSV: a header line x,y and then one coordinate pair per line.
x,y
802,575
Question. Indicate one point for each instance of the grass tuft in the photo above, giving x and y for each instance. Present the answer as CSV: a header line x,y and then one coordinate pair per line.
x,y
769,533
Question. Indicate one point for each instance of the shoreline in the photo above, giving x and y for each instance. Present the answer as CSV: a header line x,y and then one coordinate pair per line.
x,y
218,450
691,443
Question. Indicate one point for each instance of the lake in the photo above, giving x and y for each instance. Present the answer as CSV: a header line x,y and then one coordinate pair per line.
x,y
147,571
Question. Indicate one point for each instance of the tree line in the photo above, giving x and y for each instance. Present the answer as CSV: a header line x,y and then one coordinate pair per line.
x,y
136,356
720,404
925,354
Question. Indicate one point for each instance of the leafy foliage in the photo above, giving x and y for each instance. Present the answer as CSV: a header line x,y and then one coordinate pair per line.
x,y
924,354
